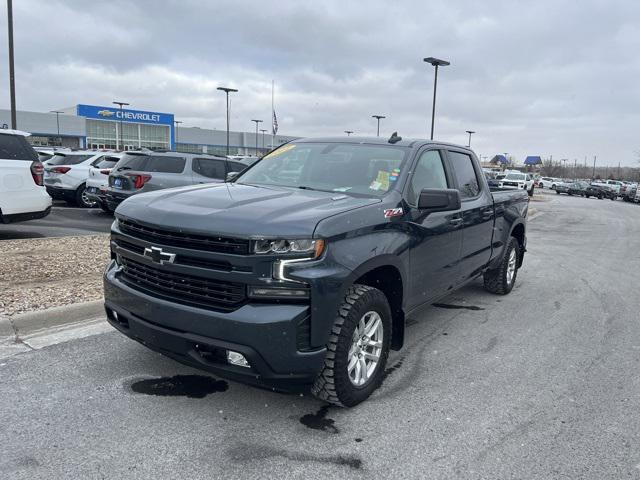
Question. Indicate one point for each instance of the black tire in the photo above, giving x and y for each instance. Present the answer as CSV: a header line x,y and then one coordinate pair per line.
x,y
599,197
496,281
81,200
557,192
587,196
530,192
333,383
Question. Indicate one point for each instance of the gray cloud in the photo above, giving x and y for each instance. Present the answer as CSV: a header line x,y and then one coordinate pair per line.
x,y
547,77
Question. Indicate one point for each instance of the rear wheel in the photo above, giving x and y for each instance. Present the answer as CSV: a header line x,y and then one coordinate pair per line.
x,y
502,279
358,348
82,199
530,192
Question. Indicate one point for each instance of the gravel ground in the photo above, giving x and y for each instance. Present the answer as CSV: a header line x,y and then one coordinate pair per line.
x,y
36,274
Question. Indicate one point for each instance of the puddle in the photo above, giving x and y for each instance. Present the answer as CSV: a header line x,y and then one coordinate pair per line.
x,y
191,386
318,421
457,307
389,370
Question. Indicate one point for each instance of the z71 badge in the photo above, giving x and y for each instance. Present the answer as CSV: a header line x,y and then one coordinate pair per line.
x,y
393,212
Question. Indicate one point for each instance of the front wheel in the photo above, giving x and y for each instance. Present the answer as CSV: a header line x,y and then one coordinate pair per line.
x,y
530,192
357,350
502,279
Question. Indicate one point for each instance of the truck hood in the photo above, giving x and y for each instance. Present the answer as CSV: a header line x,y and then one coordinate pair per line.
x,y
232,209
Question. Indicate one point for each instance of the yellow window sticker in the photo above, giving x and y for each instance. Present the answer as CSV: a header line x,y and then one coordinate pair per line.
x,y
280,151
381,182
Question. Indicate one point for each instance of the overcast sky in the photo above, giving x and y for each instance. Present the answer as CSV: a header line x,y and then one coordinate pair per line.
x,y
545,77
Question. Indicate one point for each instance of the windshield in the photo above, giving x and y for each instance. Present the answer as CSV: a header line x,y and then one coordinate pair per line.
x,y
61,159
107,162
16,147
514,176
334,167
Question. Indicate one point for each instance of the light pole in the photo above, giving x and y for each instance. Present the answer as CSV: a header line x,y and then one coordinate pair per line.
x,y
58,125
470,132
121,132
564,167
378,117
436,62
12,77
227,90
257,122
176,123
348,132
263,132
593,176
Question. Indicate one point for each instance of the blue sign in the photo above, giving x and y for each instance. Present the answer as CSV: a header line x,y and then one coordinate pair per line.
x,y
133,116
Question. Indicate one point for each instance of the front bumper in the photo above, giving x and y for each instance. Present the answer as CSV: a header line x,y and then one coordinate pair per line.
x,y
60,193
112,199
266,334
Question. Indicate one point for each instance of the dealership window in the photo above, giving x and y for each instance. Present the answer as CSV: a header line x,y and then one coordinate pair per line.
x,y
106,134
189,148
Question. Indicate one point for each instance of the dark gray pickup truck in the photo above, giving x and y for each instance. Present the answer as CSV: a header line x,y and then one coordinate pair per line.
x,y
302,270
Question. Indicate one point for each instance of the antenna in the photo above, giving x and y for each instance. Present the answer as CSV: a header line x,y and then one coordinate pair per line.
x,y
394,138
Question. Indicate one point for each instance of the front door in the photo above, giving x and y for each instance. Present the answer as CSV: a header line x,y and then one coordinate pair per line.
x,y
437,237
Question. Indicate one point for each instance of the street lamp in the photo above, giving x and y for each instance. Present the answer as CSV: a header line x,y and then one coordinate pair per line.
x,y
470,132
58,125
378,117
348,132
121,132
263,132
12,77
436,62
176,123
227,90
257,122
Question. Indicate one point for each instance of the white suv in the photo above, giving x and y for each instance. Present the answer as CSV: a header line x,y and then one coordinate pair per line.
x,y
66,174
22,194
523,181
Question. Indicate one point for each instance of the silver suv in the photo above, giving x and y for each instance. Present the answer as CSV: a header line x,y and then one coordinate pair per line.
x,y
139,172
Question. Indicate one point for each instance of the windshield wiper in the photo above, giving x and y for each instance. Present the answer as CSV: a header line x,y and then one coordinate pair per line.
x,y
304,187
124,168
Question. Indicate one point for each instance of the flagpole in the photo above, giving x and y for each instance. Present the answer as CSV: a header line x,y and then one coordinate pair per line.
x,y
273,111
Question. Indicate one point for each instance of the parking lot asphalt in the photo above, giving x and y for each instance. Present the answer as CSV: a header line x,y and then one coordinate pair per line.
x,y
61,222
541,383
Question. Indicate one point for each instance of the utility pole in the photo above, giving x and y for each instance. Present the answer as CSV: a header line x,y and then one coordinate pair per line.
x,y
436,62
12,76
121,132
257,122
470,132
176,123
378,117
227,91
593,175
348,132
263,132
58,125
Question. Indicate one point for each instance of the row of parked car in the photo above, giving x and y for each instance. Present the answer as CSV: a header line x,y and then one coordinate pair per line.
x,y
104,179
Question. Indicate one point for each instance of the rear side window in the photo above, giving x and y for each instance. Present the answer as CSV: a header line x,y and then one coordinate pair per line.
x,y
60,159
16,147
465,174
209,167
106,162
429,173
151,163
236,167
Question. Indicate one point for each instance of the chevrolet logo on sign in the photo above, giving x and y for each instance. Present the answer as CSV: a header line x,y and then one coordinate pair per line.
x,y
106,113
158,256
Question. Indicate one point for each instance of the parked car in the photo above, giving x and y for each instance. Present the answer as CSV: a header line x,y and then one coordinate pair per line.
x,y
630,193
547,182
572,188
98,180
303,270
22,194
613,185
44,155
522,181
66,174
140,172
492,181
600,191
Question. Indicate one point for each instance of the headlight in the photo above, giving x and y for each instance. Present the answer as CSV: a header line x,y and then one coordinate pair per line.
x,y
312,247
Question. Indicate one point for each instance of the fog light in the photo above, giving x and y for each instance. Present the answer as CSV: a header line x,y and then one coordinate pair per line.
x,y
235,358
274,293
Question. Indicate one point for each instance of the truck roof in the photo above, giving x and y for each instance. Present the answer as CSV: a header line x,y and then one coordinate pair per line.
x,y
8,131
408,142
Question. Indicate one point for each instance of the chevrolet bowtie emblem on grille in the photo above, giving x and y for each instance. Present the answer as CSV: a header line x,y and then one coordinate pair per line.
x,y
158,256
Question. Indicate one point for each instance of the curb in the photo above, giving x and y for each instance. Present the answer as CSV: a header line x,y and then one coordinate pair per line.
x,y
30,322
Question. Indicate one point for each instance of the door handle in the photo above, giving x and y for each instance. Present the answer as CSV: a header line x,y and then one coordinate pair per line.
x,y
456,221
487,214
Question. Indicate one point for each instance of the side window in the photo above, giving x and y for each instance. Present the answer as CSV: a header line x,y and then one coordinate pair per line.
x,y
162,164
236,166
429,173
465,174
528,178
210,168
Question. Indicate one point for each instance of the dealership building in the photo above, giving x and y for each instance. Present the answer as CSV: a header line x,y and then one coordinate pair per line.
x,y
94,126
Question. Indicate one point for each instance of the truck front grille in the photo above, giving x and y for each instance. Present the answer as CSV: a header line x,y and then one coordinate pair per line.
x,y
185,240
180,288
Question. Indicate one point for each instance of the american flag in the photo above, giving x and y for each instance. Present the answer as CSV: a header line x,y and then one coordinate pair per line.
x,y
275,123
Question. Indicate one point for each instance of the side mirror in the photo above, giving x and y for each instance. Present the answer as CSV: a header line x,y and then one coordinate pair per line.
x,y
439,199
231,176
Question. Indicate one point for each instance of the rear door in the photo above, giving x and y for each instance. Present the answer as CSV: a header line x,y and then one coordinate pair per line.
x,y
17,186
207,170
477,214
438,238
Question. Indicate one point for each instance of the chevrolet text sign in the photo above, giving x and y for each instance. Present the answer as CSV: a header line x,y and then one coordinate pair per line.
x,y
115,114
